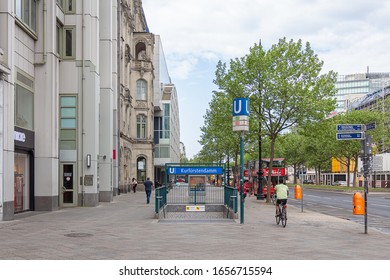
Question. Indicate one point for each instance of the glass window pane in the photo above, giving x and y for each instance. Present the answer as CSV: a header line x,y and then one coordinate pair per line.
x,y
141,89
68,123
164,152
68,145
70,6
68,134
68,112
26,12
33,15
58,40
68,42
25,80
18,8
24,108
68,101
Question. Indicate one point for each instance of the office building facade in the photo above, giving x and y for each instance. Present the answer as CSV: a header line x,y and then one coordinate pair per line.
x,y
353,87
166,119
76,102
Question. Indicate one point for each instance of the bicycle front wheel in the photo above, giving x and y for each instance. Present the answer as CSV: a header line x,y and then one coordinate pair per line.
x,y
273,199
284,217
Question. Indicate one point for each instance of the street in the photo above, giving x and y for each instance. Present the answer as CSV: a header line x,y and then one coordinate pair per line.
x,y
339,204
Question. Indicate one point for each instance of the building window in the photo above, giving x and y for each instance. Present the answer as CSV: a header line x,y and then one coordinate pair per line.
x,y
68,121
167,121
21,182
157,129
142,89
68,44
68,6
141,126
59,38
24,101
140,51
26,11
162,151
141,169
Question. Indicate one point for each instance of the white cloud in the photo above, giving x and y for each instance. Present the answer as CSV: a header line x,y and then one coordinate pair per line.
x,y
227,28
348,35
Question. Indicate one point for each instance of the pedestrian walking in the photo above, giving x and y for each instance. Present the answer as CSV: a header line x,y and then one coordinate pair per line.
x,y
148,189
134,183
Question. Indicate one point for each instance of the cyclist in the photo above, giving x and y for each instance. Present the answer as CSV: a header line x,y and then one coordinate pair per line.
x,y
281,191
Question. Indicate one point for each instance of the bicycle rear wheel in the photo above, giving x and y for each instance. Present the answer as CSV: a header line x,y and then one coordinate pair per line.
x,y
284,217
277,217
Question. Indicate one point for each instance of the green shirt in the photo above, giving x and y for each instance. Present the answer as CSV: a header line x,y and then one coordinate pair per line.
x,y
281,191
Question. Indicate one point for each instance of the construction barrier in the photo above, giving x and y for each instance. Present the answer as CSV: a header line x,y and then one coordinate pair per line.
x,y
298,192
358,204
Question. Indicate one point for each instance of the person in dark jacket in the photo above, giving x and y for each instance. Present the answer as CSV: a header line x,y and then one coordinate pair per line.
x,y
148,189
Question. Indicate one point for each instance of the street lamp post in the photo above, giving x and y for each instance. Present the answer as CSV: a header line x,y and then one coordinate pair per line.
x,y
260,171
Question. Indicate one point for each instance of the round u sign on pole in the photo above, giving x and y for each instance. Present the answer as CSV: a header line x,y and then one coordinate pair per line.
x,y
241,124
241,114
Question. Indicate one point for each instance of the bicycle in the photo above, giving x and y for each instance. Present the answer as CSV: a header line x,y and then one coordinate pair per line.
x,y
282,216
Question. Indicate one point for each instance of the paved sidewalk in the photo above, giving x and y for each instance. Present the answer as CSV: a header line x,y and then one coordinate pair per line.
x,y
126,229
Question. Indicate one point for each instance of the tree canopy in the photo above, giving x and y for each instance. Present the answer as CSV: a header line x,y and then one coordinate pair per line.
x,y
285,87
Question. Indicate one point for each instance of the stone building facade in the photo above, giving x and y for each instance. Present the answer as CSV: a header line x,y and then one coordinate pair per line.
x,y
136,98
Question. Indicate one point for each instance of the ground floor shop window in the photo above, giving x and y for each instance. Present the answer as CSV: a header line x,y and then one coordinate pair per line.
x,y
21,182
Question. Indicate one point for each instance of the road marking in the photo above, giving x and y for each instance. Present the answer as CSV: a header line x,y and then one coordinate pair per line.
x,y
380,205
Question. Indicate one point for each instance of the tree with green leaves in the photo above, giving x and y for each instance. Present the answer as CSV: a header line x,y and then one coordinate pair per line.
x,y
218,139
287,88
293,150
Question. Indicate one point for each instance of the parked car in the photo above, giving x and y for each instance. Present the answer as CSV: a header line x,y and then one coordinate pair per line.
x,y
340,183
308,182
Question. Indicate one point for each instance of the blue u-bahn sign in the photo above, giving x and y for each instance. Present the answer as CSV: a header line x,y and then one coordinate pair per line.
x,y
241,107
195,170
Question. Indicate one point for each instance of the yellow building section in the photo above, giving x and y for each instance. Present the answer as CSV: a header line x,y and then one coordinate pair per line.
x,y
340,167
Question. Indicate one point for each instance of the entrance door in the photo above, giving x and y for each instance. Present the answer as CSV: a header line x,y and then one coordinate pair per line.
x,y
68,188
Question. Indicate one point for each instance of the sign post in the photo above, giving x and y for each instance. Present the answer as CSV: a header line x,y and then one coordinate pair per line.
x,y
241,124
356,132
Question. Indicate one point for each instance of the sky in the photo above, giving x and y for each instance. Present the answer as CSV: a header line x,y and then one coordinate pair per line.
x,y
349,36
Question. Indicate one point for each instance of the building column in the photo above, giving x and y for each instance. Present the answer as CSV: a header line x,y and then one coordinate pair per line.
x,y
107,66
7,30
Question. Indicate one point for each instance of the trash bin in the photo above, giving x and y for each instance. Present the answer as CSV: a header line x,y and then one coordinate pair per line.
x,y
298,192
358,204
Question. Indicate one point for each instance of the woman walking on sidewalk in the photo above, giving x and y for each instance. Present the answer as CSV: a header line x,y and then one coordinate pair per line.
x,y
134,183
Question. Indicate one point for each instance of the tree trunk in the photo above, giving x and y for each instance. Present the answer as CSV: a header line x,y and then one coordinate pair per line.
x,y
295,173
348,173
355,169
271,159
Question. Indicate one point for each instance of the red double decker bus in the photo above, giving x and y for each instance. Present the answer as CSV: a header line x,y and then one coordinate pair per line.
x,y
278,171
278,167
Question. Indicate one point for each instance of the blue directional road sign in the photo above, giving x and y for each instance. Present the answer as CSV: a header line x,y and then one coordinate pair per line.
x,y
349,127
370,126
350,136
